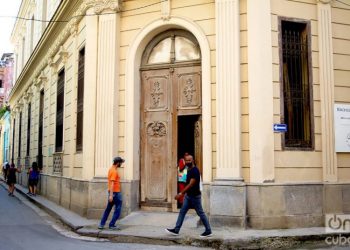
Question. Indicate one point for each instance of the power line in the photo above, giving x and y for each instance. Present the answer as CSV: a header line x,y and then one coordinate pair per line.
x,y
343,2
70,18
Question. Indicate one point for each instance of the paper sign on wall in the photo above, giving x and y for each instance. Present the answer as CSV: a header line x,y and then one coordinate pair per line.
x,y
342,127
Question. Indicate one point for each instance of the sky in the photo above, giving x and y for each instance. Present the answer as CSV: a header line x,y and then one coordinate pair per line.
x,y
8,8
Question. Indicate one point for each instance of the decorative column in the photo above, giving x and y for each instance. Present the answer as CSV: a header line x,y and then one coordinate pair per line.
x,y
106,142
89,132
228,128
49,136
20,105
12,139
28,100
260,84
38,86
227,192
329,159
73,121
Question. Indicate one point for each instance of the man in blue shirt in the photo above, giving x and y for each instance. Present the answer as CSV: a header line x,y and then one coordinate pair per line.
x,y
192,199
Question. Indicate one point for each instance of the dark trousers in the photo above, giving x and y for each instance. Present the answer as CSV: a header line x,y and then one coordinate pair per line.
x,y
196,203
117,202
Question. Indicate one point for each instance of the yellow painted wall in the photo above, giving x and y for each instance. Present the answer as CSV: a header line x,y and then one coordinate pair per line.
x,y
295,166
72,161
341,53
290,166
134,18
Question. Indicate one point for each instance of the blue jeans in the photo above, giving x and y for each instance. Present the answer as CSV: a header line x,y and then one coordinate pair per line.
x,y
196,203
117,202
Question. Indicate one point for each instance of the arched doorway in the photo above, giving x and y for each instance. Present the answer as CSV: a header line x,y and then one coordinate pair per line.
x,y
171,109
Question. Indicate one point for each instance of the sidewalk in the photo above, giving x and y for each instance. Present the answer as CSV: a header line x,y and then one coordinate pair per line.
x,y
149,227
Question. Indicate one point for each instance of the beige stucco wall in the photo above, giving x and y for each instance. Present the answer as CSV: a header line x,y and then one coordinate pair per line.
x,y
290,166
28,89
132,22
341,53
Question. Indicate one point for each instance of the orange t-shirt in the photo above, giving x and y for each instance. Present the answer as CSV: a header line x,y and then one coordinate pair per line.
x,y
113,176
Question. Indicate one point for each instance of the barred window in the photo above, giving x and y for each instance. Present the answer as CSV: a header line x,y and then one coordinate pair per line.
x,y
28,128
80,100
297,113
59,111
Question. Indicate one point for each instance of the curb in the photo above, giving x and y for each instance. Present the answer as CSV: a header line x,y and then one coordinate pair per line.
x,y
252,242
264,242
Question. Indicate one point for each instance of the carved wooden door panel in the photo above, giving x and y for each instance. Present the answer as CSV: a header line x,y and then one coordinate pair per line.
x,y
188,98
156,137
188,93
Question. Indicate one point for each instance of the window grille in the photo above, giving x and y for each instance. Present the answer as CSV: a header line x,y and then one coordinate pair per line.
x,y
57,163
296,85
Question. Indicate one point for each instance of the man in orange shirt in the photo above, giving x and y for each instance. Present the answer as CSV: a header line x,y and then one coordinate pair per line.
x,y
114,195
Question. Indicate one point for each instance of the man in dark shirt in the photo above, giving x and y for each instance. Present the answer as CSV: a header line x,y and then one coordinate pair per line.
x,y
192,199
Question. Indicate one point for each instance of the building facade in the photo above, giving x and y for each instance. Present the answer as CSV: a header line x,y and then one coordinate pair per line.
x,y
151,80
6,83
6,76
5,123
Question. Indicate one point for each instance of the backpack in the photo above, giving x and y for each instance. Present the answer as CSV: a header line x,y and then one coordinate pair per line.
x,y
34,175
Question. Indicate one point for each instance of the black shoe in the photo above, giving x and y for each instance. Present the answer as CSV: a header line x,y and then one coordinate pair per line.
x,y
114,228
172,231
206,234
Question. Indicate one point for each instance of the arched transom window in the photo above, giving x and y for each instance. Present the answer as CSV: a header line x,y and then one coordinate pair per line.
x,y
171,47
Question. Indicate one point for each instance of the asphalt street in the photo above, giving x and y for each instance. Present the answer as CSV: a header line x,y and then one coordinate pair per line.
x,y
24,226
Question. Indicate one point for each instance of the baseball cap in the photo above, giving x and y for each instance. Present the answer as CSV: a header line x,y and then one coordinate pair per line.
x,y
118,159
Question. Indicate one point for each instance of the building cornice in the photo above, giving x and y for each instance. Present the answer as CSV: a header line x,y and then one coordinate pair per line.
x,y
62,13
23,9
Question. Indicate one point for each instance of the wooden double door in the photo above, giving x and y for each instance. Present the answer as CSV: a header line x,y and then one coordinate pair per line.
x,y
170,116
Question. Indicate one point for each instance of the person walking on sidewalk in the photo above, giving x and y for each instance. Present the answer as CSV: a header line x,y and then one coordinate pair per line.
x,y
192,199
181,178
5,167
11,178
33,179
114,195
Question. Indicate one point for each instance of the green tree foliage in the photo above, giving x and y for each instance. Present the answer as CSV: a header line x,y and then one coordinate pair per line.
x,y
3,110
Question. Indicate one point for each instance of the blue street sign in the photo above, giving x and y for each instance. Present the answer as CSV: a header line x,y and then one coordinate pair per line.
x,y
280,127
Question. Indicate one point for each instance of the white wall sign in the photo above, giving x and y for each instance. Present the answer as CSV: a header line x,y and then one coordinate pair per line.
x,y
342,127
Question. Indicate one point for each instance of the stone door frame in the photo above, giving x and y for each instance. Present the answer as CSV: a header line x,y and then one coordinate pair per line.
x,y
132,97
